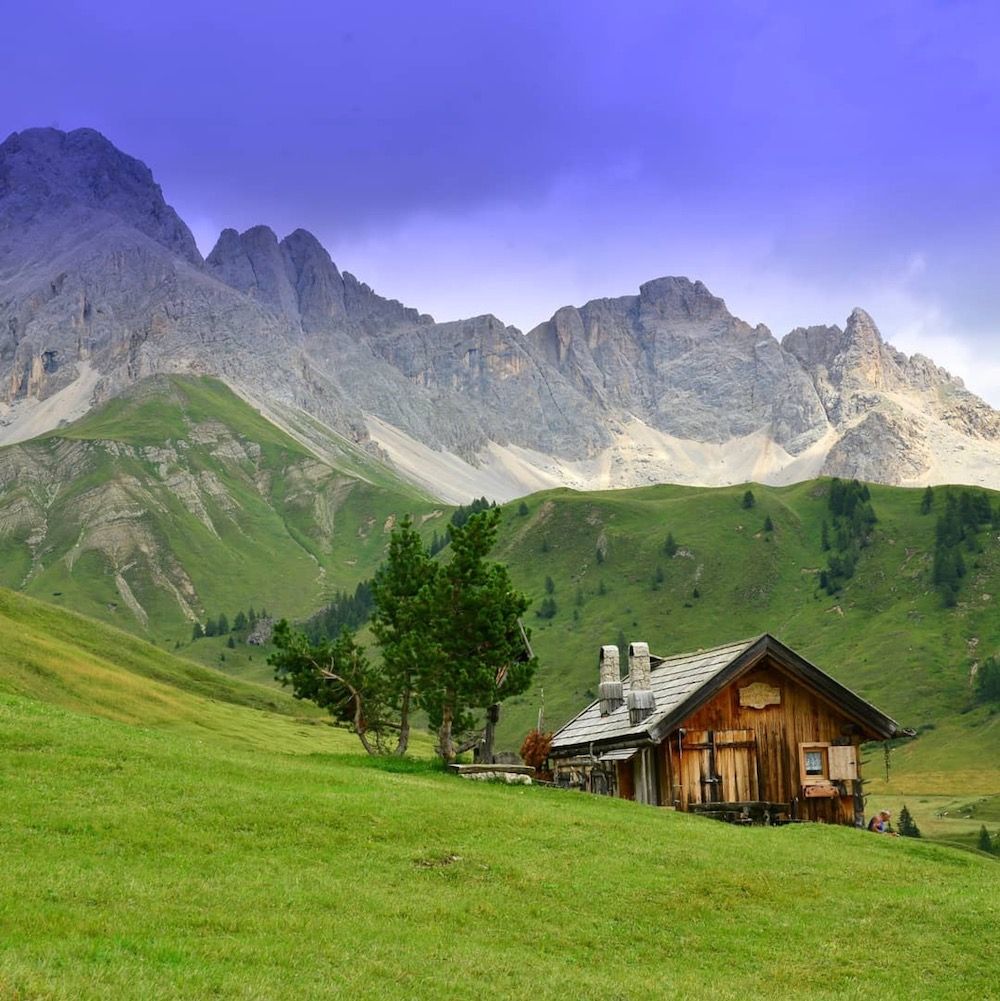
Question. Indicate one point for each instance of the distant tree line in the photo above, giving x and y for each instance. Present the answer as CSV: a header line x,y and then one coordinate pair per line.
x,y
344,610
243,622
849,530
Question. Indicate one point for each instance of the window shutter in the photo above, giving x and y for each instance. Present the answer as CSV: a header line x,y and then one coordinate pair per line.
x,y
843,762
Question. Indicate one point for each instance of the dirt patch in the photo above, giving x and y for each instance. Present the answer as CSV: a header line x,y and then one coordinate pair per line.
x,y
439,862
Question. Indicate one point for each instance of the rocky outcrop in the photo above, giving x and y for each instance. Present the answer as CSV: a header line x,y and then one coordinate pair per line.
x,y
144,507
880,448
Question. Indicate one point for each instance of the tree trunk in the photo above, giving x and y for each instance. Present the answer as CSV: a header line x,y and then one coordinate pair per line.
x,y
360,726
404,722
446,743
484,753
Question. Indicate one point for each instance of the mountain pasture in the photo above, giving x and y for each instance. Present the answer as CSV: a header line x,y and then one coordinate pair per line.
x,y
237,851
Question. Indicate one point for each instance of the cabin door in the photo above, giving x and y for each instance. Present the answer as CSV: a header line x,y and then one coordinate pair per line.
x,y
719,766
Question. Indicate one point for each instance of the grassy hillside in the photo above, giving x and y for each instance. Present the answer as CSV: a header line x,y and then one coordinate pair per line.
x,y
65,660
142,863
886,635
179,502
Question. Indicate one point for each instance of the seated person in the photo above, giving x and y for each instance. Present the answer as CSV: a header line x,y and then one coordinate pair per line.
x,y
879,824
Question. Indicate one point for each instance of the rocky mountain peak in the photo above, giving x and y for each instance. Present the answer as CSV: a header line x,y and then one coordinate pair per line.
x,y
97,292
861,330
255,263
815,346
318,284
685,310
45,173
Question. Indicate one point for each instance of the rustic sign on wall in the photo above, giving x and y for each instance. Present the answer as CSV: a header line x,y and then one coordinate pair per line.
x,y
759,695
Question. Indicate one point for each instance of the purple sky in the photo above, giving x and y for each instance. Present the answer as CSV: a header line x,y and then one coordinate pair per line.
x,y
468,157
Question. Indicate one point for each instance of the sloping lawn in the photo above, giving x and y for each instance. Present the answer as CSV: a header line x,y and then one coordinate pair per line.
x,y
143,863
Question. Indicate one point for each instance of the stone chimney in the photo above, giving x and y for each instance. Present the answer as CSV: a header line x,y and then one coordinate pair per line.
x,y
610,689
641,701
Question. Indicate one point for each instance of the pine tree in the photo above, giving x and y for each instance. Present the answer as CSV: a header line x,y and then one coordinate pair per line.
x,y
768,524
197,632
338,677
988,680
223,625
240,622
399,591
211,627
927,501
658,578
550,585
670,547
907,825
231,643
522,509
749,500
985,843
471,645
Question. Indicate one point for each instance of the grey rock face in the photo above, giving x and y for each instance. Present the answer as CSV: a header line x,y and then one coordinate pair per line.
x,y
254,263
854,371
101,285
676,358
882,448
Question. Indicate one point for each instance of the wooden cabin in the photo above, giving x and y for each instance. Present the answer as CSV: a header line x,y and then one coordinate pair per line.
x,y
748,731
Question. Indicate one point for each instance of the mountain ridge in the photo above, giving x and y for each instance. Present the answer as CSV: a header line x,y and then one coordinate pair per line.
x,y
101,285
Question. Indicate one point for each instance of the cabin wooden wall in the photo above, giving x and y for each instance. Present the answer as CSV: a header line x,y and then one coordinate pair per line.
x,y
801,717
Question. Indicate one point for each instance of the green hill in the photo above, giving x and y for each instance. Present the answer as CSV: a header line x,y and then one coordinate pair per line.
x,y
160,840
65,660
886,634
180,502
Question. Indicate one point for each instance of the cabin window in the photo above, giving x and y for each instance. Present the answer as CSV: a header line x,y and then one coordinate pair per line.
x,y
814,763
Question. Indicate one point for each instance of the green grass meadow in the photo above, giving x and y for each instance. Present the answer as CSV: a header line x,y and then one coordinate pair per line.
x,y
168,832
142,863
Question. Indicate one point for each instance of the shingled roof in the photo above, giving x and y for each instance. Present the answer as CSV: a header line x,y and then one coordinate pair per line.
x,y
683,683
